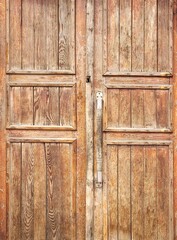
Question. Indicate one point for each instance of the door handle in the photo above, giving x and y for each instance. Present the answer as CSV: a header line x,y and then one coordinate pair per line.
x,y
99,119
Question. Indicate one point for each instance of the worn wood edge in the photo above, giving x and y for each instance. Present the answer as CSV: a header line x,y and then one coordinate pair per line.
x,y
7,18
171,195
37,72
139,86
139,74
139,142
41,84
27,127
40,140
89,120
150,130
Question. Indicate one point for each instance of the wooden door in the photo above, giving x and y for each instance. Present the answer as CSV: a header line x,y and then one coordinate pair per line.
x,y
135,71
42,99
88,118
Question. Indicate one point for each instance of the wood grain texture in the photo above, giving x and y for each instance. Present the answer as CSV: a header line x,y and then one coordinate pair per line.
x,y
27,192
113,35
138,191
163,179
137,199
150,193
38,106
28,35
164,35
15,187
113,192
52,19
137,35
124,193
137,98
64,12
40,35
15,19
133,37
125,35
150,28
137,108
47,45
54,192
26,105
39,191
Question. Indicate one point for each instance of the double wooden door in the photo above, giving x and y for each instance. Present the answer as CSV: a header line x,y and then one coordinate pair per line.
x,y
88,119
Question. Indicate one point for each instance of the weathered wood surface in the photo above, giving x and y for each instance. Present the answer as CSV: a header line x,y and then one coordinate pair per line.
x,y
138,191
137,81
36,45
43,188
129,52
137,37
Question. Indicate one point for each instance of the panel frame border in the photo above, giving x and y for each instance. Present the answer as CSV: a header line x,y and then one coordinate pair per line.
x,y
9,71
134,142
138,86
40,127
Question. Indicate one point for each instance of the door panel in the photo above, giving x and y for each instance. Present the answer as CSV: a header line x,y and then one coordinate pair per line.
x,y
43,91
133,68
41,36
137,37
139,190
42,186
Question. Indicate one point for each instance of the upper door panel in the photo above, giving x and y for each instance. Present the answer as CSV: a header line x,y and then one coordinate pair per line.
x,y
41,36
137,37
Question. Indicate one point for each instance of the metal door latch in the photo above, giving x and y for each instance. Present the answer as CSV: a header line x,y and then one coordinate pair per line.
x,y
99,97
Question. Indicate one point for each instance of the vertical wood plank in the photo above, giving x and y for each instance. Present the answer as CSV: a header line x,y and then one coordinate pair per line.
x,y
15,34
53,191
27,215
137,158
163,192
28,34
15,191
39,192
113,107
125,35
64,33
66,106
41,97
53,106
66,197
163,36
52,34
124,207
113,35
137,114
15,102
150,108
40,34
26,105
137,35
112,192
125,114
150,29
162,108
150,193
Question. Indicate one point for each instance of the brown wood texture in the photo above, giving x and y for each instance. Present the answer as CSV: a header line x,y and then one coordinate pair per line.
x,y
42,119
44,195
137,37
138,191
55,55
36,45
133,69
